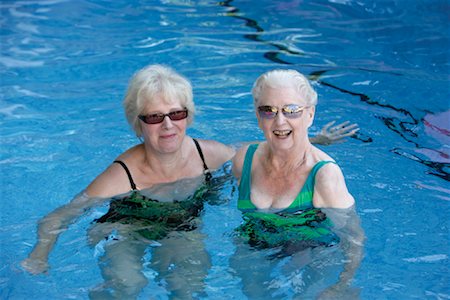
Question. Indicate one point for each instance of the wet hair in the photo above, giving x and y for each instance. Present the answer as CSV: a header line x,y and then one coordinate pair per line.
x,y
152,81
279,78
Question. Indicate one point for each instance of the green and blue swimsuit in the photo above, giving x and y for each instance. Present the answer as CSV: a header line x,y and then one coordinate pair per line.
x,y
300,223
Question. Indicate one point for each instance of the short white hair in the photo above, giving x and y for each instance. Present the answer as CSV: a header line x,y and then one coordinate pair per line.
x,y
280,78
151,81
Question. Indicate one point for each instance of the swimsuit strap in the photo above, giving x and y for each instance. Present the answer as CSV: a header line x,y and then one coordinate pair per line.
x,y
133,185
205,167
244,203
304,199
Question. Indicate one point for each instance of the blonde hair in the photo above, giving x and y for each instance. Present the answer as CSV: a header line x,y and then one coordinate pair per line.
x,y
279,78
151,81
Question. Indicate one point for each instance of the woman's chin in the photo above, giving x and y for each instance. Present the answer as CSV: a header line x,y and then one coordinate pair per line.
x,y
282,143
169,146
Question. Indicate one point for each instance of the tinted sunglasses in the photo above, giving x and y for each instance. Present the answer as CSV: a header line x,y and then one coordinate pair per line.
x,y
159,117
290,111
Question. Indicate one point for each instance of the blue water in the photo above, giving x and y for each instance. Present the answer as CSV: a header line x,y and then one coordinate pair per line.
x,y
64,67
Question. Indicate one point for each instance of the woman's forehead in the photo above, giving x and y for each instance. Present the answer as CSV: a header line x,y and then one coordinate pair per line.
x,y
280,95
162,103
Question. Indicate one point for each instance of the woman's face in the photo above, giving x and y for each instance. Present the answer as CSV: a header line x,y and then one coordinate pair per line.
x,y
289,127
167,136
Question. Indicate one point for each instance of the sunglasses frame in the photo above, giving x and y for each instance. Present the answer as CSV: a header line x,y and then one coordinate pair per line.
x,y
290,111
162,116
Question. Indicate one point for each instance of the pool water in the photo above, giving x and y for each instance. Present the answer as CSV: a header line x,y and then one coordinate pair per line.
x,y
64,67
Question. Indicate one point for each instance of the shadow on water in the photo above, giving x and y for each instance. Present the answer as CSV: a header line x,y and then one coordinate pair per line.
x,y
402,128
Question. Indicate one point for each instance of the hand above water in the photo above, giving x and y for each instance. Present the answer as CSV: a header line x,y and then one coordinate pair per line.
x,y
335,134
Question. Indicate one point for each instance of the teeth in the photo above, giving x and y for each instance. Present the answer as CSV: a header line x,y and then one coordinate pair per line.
x,y
282,132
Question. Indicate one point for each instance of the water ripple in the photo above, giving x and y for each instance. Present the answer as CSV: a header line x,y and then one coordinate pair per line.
x,y
427,258
17,63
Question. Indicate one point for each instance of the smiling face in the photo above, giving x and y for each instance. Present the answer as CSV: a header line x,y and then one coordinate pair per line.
x,y
167,136
284,132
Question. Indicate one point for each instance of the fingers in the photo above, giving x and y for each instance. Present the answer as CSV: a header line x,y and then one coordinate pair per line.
x,y
350,133
331,133
340,126
344,129
328,125
348,128
34,267
343,124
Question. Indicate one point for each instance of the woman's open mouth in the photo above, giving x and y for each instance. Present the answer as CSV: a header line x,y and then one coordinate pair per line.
x,y
282,133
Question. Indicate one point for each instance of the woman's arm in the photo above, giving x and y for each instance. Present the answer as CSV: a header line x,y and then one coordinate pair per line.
x,y
50,227
331,194
216,154
238,161
330,190
347,226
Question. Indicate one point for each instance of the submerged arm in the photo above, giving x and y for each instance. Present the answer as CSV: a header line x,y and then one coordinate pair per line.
x,y
348,228
331,194
49,229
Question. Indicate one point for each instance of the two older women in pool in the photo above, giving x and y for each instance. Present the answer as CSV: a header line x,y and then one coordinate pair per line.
x,y
159,106
286,173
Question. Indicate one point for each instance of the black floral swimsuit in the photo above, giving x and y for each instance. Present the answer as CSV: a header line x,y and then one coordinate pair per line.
x,y
154,219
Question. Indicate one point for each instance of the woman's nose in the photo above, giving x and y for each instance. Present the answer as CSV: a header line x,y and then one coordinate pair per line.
x,y
280,118
167,122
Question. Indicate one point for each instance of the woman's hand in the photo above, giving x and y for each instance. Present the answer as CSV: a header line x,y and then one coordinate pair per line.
x,y
339,291
35,266
334,134
50,227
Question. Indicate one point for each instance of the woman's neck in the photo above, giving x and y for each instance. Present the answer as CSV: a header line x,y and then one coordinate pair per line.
x,y
167,165
287,161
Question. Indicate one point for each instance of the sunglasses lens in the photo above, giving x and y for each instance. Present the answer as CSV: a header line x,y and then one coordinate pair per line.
x,y
158,118
178,115
152,119
267,112
292,111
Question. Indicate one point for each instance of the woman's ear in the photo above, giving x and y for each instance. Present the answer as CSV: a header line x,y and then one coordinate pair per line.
x,y
258,118
311,114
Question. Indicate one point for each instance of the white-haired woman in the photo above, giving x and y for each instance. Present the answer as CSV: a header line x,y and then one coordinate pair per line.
x,y
285,179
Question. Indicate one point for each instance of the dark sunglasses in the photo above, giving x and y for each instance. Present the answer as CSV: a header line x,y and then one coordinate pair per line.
x,y
159,117
290,111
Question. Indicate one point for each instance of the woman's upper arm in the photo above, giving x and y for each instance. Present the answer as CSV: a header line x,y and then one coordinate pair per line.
x,y
216,154
113,181
330,188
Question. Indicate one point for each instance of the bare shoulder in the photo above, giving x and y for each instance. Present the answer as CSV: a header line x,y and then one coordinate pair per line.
x,y
131,154
114,179
216,153
330,188
320,155
330,172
